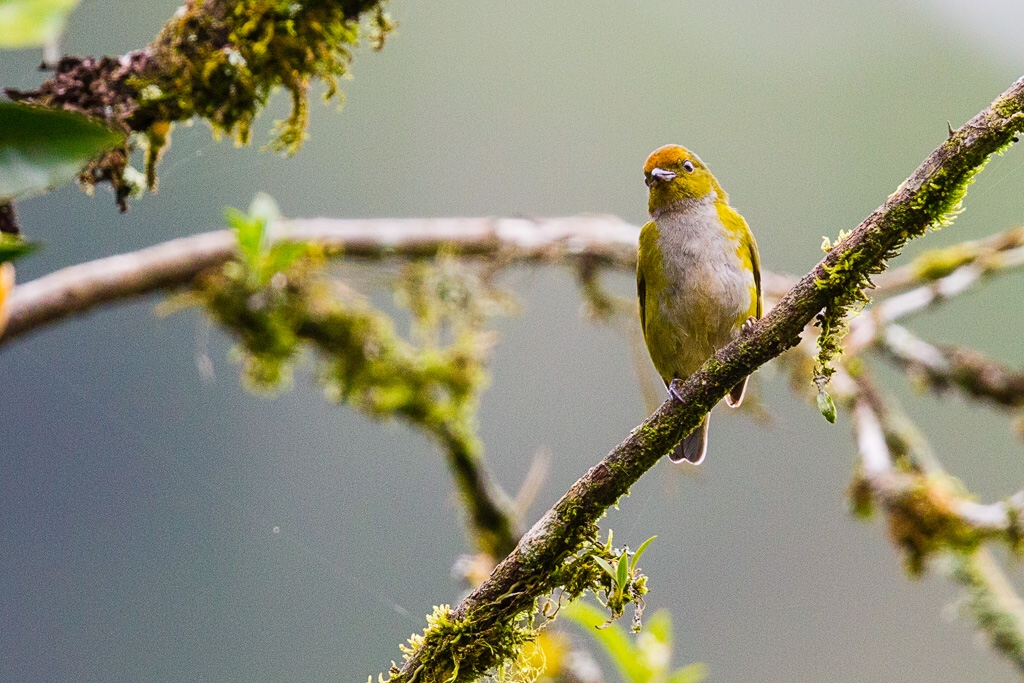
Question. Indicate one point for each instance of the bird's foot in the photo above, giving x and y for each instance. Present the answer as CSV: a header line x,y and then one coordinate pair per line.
x,y
747,326
674,387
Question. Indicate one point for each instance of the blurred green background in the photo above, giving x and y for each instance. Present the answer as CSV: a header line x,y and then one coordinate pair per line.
x,y
138,501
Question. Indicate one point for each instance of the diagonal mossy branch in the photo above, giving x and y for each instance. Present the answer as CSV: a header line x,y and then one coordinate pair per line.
x,y
929,197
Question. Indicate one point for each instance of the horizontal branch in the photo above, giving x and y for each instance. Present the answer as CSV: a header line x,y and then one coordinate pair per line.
x,y
78,289
866,329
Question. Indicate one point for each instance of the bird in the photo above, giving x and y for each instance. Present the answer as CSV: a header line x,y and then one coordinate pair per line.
x,y
698,276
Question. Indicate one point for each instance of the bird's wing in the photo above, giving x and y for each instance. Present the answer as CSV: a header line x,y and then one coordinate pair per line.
x,y
736,226
641,281
641,292
755,264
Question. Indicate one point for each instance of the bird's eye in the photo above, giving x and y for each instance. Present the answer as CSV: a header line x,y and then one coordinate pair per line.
x,y
687,166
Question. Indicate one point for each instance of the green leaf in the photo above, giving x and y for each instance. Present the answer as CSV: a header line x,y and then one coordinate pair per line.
x,y
282,255
694,673
622,576
639,552
42,148
13,247
607,567
29,23
621,649
659,626
249,232
826,406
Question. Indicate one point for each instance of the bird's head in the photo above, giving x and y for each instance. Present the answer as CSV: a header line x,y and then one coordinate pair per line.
x,y
676,175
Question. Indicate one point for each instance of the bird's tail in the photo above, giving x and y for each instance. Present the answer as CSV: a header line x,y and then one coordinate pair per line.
x,y
735,397
694,447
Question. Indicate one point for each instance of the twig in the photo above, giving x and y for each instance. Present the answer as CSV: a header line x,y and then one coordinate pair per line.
x,y
534,480
877,427
864,330
992,603
937,263
943,367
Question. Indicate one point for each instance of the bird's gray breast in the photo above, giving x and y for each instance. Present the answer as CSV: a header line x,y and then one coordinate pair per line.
x,y
709,291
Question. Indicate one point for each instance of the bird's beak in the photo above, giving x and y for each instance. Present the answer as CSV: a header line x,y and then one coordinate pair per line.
x,y
661,175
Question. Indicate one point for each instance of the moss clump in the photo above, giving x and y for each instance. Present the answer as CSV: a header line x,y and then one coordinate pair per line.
x,y
987,602
862,501
217,59
364,361
938,263
478,642
1014,530
222,60
922,522
277,300
462,652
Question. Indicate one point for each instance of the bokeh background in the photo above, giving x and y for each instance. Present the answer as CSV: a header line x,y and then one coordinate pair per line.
x,y
138,500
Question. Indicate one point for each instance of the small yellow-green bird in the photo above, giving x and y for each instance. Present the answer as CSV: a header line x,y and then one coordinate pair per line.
x,y
698,275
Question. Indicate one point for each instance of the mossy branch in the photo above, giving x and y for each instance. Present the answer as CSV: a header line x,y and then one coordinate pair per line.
x,y
929,514
81,288
993,253
930,197
217,59
276,300
940,275
500,605
945,367
993,604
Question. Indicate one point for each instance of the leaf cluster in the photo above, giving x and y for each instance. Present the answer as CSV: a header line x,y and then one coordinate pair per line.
x,y
643,659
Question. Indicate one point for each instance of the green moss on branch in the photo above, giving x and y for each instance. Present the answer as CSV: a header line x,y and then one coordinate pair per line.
x,y
278,302
219,60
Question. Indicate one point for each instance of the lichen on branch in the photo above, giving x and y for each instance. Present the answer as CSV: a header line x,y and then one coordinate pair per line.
x,y
277,300
931,198
219,60
468,645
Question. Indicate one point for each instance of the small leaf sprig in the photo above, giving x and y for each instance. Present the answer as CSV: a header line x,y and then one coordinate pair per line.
x,y
626,583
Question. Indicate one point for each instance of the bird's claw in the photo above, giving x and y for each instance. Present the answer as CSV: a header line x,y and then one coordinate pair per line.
x,y
674,388
747,326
